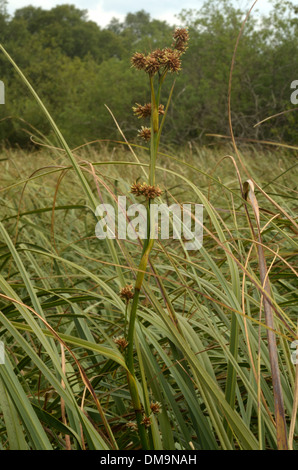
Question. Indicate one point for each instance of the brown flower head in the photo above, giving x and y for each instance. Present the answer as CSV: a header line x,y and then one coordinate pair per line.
x,y
146,421
126,293
163,59
172,60
143,111
136,189
161,109
132,426
181,38
121,342
168,58
158,54
155,407
152,64
181,34
145,133
150,192
138,61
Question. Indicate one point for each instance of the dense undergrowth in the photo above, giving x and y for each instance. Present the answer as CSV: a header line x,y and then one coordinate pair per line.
x,y
59,279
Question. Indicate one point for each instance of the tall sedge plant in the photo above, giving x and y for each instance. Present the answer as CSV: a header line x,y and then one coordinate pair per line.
x,y
156,66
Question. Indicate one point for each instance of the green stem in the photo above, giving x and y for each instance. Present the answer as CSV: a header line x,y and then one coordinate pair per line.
x,y
125,320
130,338
133,312
138,409
154,131
148,244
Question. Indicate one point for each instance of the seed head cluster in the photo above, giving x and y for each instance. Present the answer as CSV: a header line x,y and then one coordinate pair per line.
x,y
146,421
155,407
163,60
121,342
181,38
138,61
150,192
143,111
126,293
145,133
132,425
167,59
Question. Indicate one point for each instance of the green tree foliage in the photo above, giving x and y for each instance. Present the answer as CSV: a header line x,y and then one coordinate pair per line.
x,y
78,67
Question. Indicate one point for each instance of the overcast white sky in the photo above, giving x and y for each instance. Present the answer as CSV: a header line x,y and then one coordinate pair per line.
x,y
102,11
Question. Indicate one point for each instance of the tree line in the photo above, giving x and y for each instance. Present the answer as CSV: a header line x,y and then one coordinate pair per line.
x,y
77,68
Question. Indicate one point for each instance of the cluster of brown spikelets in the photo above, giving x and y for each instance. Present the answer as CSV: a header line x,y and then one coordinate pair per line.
x,y
155,407
144,189
145,133
121,342
143,111
159,61
146,421
163,60
126,293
